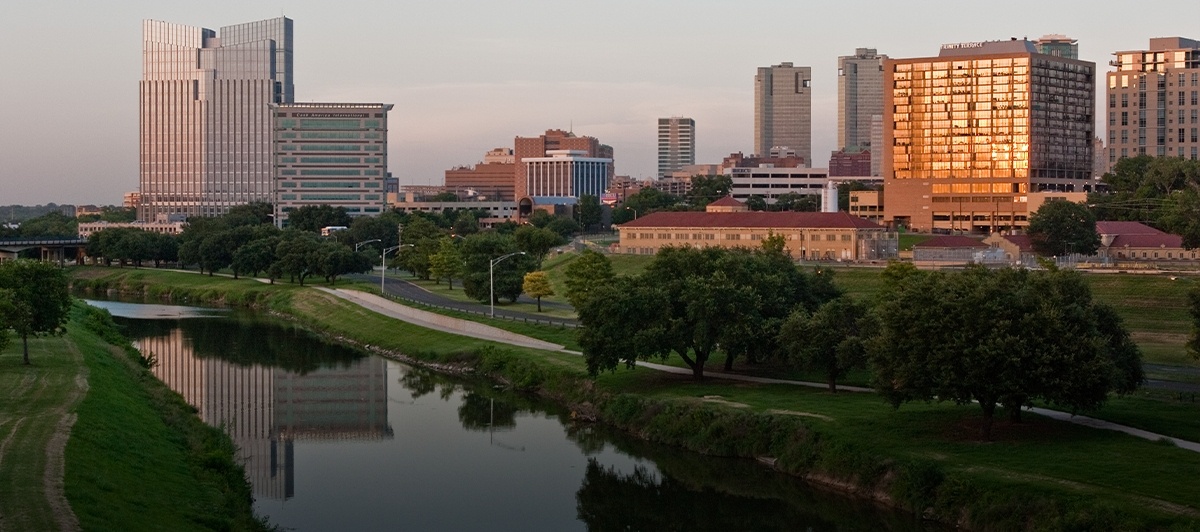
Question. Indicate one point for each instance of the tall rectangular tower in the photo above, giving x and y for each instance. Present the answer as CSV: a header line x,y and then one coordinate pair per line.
x,y
1154,101
860,98
204,116
783,110
330,154
676,144
975,130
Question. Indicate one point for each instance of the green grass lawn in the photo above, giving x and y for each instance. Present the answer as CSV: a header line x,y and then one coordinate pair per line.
x,y
1051,454
457,294
31,400
126,468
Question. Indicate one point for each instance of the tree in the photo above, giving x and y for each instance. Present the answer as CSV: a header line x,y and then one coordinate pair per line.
x,y
446,196
1181,215
999,337
423,235
1194,309
537,242
793,201
564,226
38,299
296,255
216,251
313,218
447,262
256,256
641,203
831,340
1062,228
7,311
466,223
756,203
590,211
334,259
707,189
585,275
537,285
622,322
478,251
53,224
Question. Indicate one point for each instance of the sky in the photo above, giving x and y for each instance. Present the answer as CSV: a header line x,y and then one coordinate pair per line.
x,y
468,76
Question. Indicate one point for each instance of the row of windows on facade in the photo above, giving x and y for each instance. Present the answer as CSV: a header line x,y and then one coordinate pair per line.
x,y
1181,98
1141,80
1161,151
1195,137
1141,118
799,237
1182,255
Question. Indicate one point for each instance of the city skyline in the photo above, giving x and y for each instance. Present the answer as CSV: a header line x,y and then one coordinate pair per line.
x,y
465,81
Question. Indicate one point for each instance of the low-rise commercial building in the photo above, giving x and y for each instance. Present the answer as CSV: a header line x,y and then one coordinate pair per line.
x,y
809,235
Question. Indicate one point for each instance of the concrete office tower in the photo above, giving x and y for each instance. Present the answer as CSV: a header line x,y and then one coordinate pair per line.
x,y
1154,101
1058,46
860,98
330,154
783,110
676,144
978,129
205,134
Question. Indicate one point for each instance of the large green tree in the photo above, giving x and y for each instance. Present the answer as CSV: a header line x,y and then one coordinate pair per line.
x,y
586,274
536,241
1194,309
622,323
1063,228
831,340
707,189
590,211
313,218
38,299
1000,338
479,250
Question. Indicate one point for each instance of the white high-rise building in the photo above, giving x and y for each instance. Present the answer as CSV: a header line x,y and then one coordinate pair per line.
x,y
204,115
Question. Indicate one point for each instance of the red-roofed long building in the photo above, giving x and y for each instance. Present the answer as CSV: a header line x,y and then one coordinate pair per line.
x,y
809,235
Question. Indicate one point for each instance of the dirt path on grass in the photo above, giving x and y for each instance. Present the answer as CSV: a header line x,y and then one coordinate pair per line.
x,y
38,422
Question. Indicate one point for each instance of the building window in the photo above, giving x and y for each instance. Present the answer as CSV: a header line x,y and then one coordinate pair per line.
x,y
1124,100
1124,118
830,238
1112,101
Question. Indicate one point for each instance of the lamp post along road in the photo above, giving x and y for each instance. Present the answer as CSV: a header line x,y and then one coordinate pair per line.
x,y
492,279
365,242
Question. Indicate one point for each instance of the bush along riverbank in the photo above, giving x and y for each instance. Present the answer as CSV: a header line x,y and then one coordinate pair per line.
x,y
1051,477
139,458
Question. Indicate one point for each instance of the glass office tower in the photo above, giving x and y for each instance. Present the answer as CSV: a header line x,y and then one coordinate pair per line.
x,y
204,115
978,128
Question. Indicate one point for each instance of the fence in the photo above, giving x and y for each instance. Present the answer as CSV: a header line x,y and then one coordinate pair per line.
x,y
563,324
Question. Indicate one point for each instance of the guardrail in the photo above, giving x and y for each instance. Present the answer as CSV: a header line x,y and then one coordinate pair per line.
x,y
536,321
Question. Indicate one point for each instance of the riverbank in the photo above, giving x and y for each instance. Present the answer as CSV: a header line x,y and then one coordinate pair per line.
x,y
92,441
1041,474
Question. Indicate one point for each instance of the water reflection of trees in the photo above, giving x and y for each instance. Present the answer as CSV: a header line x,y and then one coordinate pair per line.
x,y
247,342
482,412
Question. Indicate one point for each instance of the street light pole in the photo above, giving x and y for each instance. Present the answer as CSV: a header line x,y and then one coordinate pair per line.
x,y
492,280
365,242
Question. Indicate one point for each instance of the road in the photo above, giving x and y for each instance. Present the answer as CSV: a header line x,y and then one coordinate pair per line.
x,y
410,291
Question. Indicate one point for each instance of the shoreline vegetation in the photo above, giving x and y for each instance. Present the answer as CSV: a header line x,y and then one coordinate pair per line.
x,y
1039,474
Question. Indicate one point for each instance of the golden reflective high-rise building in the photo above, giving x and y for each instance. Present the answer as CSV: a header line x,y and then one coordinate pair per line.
x,y
969,134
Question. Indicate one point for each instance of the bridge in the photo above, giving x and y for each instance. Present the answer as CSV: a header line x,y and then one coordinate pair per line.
x,y
52,249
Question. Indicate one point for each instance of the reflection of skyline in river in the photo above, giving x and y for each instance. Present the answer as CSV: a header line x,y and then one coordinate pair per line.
x,y
265,408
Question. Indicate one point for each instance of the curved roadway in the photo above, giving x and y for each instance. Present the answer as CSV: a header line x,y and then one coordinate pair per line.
x,y
412,292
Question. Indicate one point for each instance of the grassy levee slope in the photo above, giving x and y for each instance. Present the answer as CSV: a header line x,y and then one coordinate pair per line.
x,y
1040,474
32,401
137,459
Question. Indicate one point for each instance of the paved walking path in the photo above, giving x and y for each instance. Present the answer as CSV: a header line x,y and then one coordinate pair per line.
x,y
484,332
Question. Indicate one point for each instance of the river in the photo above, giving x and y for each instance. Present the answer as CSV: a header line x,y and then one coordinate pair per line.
x,y
335,439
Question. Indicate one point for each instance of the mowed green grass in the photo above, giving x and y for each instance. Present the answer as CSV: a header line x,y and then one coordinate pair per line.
x,y
125,468
31,401
1057,456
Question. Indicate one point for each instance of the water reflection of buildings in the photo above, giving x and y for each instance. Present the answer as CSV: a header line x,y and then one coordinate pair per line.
x,y
264,409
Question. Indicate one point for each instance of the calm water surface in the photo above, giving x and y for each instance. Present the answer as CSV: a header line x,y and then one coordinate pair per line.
x,y
333,439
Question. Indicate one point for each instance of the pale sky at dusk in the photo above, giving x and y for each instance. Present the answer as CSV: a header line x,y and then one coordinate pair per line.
x,y
466,77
